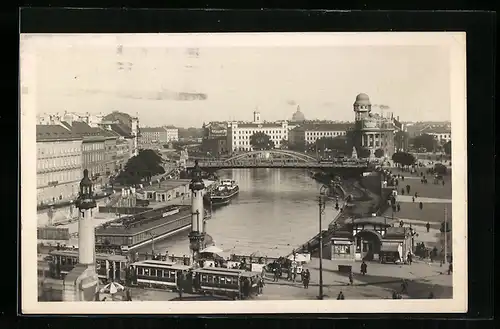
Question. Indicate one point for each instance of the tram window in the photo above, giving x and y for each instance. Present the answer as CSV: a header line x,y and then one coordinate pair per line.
x,y
139,271
172,274
75,260
63,260
204,278
153,272
216,280
165,274
146,271
210,279
229,280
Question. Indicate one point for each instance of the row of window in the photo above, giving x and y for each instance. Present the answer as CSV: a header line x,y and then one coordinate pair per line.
x,y
60,177
93,146
60,162
58,148
325,133
160,273
273,137
93,157
251,132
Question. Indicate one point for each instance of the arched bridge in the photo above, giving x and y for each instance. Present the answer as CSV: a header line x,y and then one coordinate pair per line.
x,y
276,159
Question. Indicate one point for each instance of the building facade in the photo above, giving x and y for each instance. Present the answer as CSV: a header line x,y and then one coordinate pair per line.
x,y
128,123
441,134
239,133
372,130
59,164
309,133
158,136
214,141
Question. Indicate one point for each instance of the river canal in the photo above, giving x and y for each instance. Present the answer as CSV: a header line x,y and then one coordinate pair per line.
x,y
275,211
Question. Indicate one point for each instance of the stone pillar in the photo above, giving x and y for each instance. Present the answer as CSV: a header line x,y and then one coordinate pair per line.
x,y
86,238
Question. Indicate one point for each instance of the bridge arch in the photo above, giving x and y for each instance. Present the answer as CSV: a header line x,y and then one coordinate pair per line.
x,y
273,154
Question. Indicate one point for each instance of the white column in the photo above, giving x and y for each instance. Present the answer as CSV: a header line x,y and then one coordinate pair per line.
x,y
86,238
197,206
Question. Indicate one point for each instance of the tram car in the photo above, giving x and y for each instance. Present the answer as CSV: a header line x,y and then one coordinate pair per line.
x,y
109,267
233,283
158,274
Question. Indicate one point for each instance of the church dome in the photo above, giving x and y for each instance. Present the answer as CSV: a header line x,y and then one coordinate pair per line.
x,y
298,115
362,99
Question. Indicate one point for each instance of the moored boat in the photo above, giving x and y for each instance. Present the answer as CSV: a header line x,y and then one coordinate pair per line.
x,y
225,191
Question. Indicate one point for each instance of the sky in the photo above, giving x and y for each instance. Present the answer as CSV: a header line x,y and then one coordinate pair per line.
x,y
229,83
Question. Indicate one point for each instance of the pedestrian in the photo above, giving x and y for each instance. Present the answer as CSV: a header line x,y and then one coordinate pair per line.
x,y
399,207
428,226
401,223
450,269
363,268
408,188
443,182
412,199
351,280
421,205
294,273
431,295
395,295
261,285
340,296
416,195
404,287
402,191
409,257
128,295
402,178
305,280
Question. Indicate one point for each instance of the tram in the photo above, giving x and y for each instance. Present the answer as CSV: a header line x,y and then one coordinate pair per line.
x,y
158,274
109,267
233,283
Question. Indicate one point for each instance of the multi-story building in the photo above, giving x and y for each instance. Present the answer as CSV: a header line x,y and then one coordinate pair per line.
x,y
441,134
158,136
126,123
93,150
59,163
214,139
372,130
309,133
239,133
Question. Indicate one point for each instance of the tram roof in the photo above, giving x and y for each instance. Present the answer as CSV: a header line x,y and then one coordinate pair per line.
x,y
227,271
161,264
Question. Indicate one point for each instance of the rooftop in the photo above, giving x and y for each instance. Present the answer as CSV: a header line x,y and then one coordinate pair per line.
x,y
325,127
153,129
54,132
436,130
131,230
260,125
167,185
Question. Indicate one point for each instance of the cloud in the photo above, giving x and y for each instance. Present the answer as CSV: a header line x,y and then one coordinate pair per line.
x,y
291,102
158,96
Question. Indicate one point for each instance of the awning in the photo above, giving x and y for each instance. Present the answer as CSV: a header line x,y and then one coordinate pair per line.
x,y
389,247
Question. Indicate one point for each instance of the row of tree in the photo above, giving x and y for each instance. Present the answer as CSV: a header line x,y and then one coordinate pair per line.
x,y
142,167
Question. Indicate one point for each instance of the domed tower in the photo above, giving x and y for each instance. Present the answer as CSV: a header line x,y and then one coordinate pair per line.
x,y
362,107
298,116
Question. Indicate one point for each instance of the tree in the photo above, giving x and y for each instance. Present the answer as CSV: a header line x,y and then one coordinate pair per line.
x,y
403,158
261,141
447,148
379,153
428,142
284,144
363,152
143,166
440,169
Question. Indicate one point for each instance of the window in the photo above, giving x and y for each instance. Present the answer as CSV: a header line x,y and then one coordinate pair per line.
x,y
140,271
341,249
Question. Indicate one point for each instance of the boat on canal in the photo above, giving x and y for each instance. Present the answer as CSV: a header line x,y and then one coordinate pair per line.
x,y
226,190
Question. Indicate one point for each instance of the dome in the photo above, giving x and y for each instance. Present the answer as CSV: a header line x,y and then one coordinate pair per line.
x,y
362,99
298,116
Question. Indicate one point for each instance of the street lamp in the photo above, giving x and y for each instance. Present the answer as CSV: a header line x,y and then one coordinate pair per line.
x,y
321,205
152,244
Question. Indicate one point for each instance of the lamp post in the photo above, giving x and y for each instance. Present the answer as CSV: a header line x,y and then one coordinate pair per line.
x,y
152,243
321,205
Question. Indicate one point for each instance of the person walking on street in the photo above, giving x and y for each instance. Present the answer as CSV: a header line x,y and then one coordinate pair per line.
x,y
351,280
294,274
428,226
404,287
306,279
450,269
363,268
409,257
340,296
421,205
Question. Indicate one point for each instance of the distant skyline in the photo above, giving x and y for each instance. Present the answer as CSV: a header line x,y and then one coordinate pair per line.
x,y
229,83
